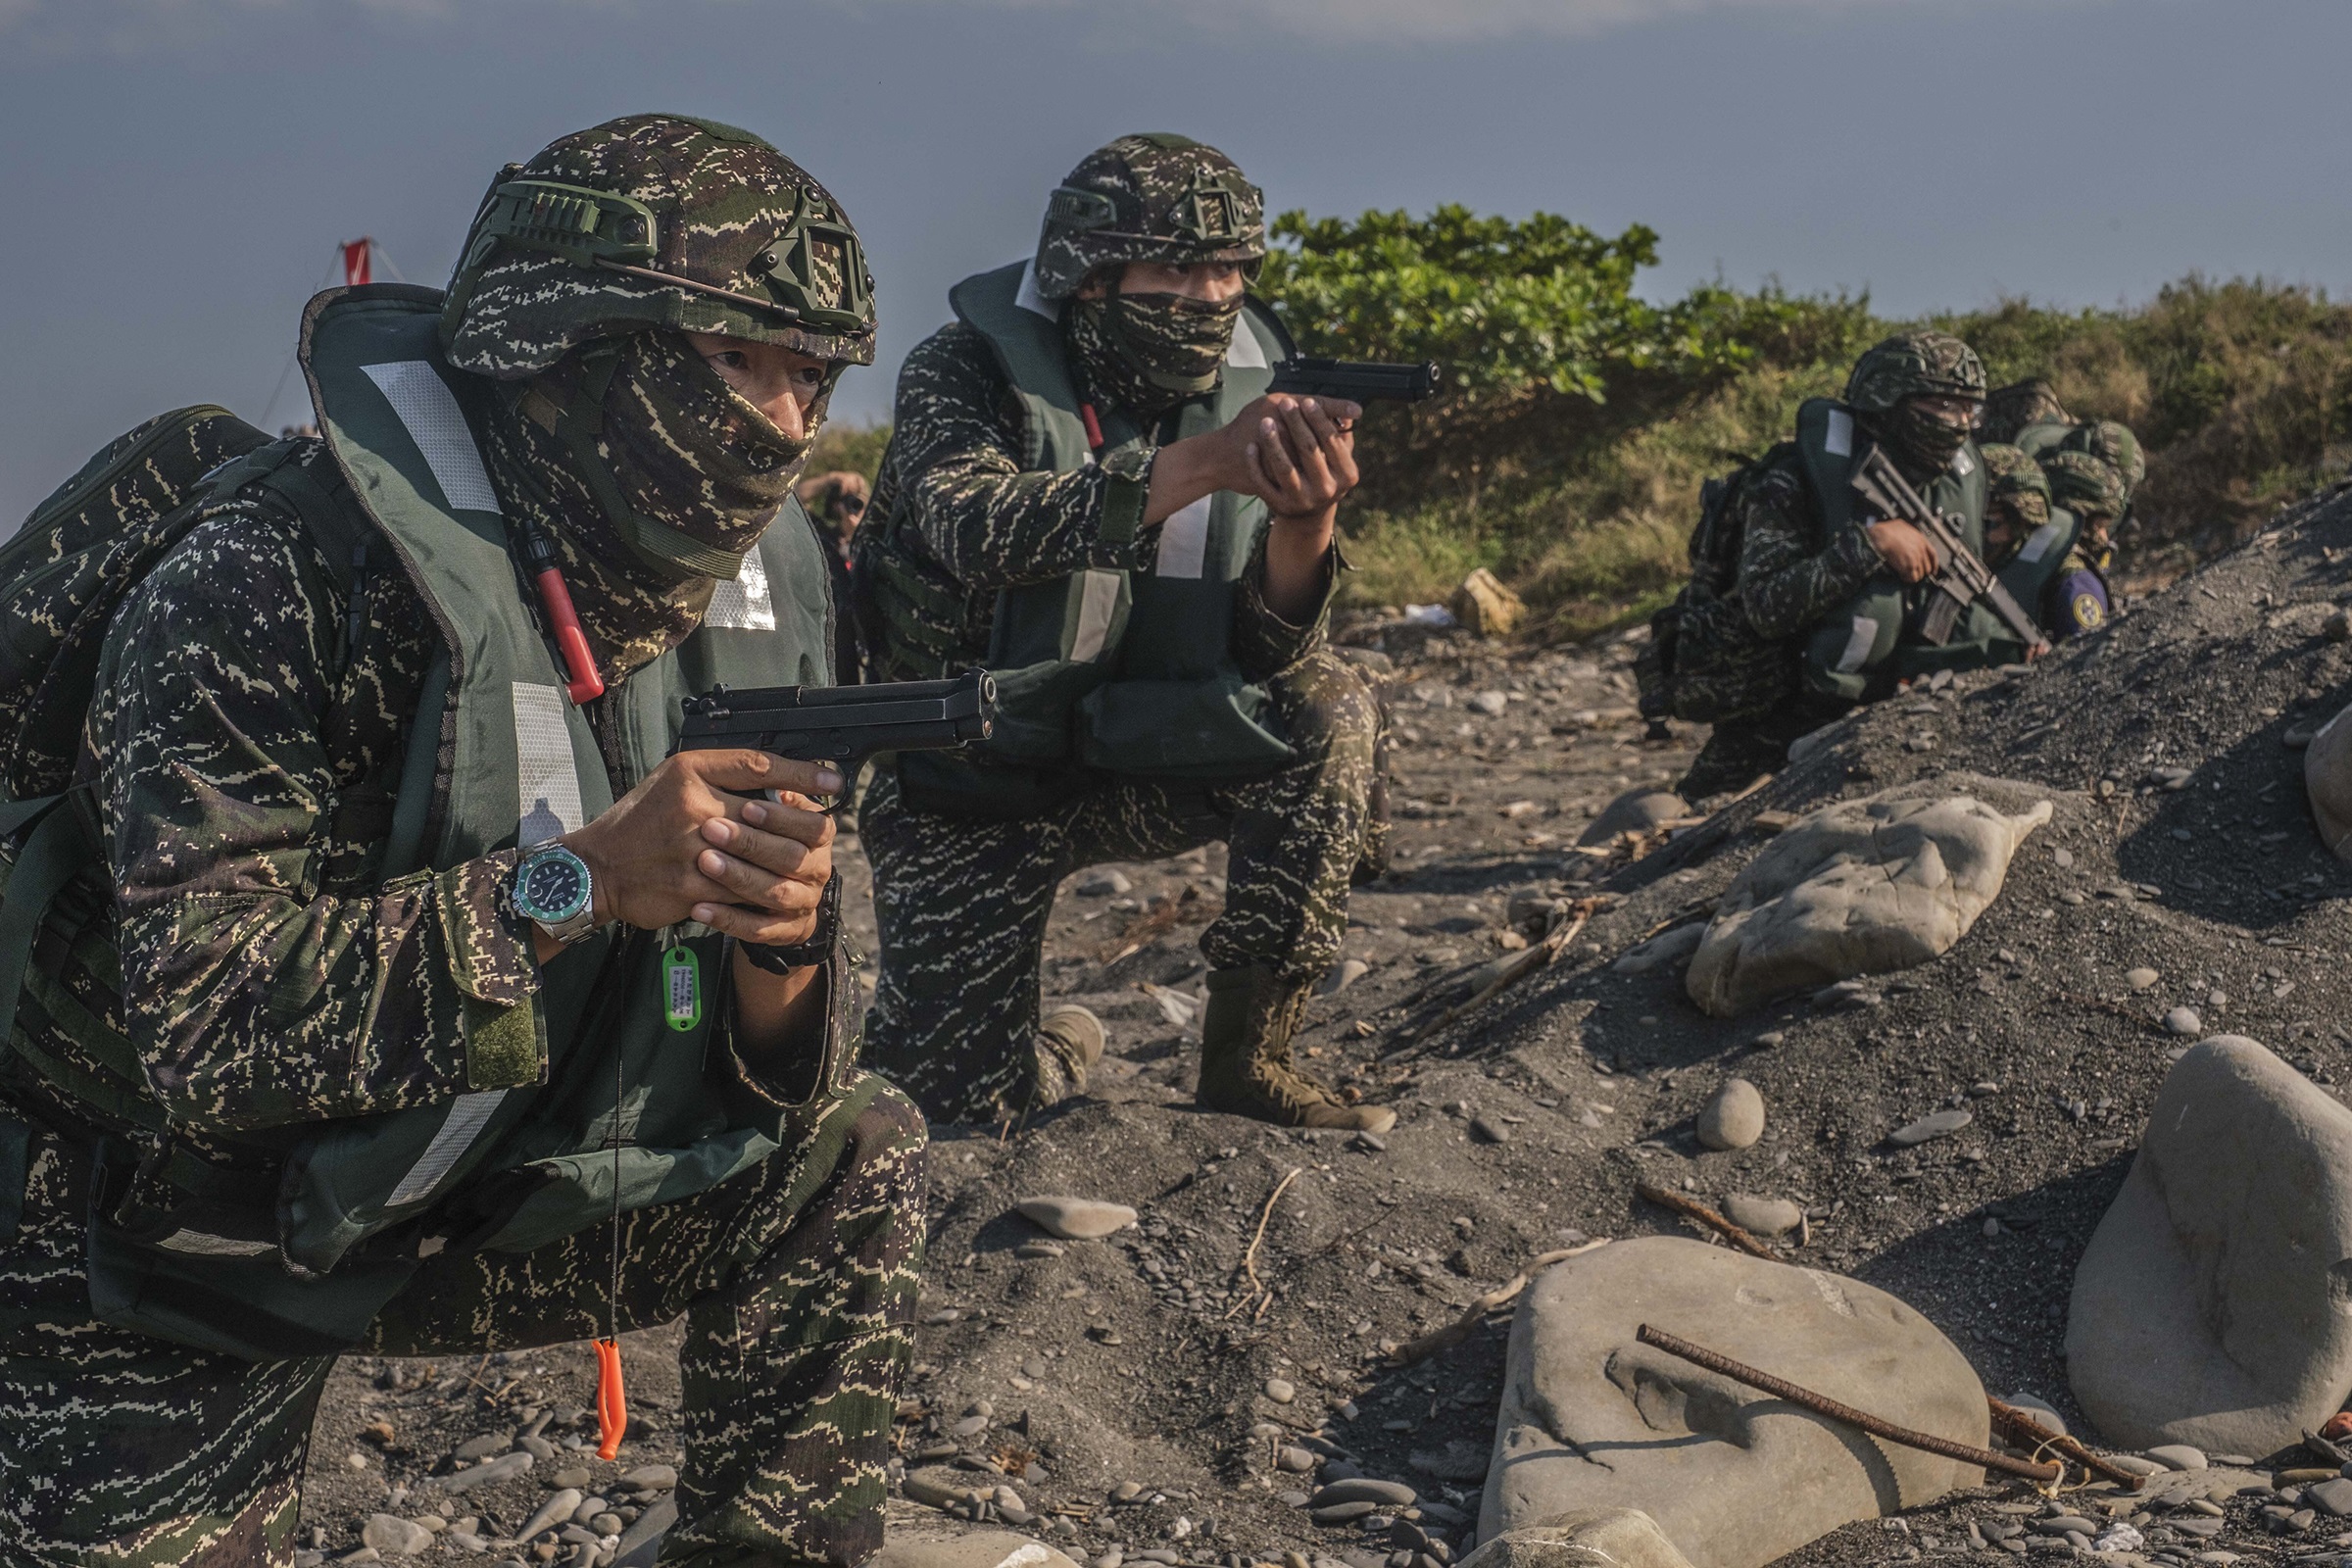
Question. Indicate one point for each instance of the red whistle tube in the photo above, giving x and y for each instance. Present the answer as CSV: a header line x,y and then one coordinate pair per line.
x,y
1094,427
585,684
611,1403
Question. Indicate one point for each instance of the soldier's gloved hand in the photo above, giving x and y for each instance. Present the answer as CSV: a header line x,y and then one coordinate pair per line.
x,y
1905,550
1303,455
680,846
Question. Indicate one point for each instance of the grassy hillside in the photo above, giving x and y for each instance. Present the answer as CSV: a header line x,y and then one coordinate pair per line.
x,y
1580,421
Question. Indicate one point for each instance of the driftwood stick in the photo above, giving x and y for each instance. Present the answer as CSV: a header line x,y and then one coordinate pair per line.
x,y
1706,1216
1455,1332
1823,1404
2020,1427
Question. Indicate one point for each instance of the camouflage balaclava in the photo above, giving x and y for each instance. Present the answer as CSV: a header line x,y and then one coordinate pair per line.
x,y
1148,198
1891,382
2009,408
2017,499
651,476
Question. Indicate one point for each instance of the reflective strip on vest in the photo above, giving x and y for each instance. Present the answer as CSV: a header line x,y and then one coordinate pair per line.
x,y
2038,544
204,1246
1099,602
437,425
744,605
1839,441
549,794
469,1114
1184,541
1865,636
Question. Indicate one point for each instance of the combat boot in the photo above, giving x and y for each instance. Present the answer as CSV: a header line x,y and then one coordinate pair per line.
x,y
1245,1056
1069,1042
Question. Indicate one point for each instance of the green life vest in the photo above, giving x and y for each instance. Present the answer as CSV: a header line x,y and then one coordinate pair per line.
x,y
1116,671
1861,647
580,1100
2039,561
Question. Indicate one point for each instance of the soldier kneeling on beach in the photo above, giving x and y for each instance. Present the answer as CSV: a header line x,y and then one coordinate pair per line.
x,y
379,981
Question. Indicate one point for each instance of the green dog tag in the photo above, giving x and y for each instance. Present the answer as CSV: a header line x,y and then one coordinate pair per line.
x,y
682,987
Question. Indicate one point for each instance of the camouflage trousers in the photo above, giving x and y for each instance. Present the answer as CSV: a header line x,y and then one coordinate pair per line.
x,y
963,903
119,1450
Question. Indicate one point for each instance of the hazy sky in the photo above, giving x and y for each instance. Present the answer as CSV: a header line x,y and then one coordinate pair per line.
x,y
173,173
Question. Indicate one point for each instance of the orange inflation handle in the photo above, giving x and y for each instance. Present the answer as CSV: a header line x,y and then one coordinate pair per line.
x,y
611,1403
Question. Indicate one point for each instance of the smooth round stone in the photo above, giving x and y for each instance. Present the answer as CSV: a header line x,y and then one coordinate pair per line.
x,y
1365,1488
1349,971
608,1524
1732,1116
1291,1500
395,1536
1343,1513
2041,1410
1077,1219
483,1446
568,1480
2142,978
1762,1216
1486,1130
1490,704
1298,1461
2184,1021
1281,1390
1942,1124
2177,1457
1126,1492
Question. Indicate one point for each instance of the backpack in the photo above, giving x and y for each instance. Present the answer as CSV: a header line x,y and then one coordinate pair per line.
x,y
1704,660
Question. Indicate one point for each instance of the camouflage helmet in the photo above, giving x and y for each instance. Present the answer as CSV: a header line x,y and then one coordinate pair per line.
x,y
2009,408
2011,475
1153,197
2085,485
2113,444
656,221
1920,363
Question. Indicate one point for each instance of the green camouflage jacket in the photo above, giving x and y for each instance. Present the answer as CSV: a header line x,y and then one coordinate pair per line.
x,y
244,768
1789,577
955,457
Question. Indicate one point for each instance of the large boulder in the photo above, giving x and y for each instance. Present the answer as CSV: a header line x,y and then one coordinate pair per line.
x,y
1861,887
2328,780
2214,1303
1589,1538
1591,1418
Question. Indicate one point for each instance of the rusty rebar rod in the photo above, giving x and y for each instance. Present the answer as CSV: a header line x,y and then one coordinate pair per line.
x,y
1823,1404
2022,1425
1668,1197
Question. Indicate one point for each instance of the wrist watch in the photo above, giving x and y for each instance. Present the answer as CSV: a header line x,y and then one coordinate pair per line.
x,y
554,892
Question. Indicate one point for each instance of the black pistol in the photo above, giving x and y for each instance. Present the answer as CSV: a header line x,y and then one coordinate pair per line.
x,y
845,725
1358,380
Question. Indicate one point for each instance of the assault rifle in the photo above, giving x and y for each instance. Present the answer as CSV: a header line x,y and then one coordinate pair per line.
x,y
1358,380
844,725
1960,578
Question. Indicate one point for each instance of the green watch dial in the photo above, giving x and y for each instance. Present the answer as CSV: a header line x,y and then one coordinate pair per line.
x,y
552,886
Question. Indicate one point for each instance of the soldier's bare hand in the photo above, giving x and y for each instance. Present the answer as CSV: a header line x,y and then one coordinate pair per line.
x,y
775,861
1905,550
1304,454
1226,458
680,845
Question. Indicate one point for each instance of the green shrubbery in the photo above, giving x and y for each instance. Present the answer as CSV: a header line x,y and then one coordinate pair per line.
x,y
1578,419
